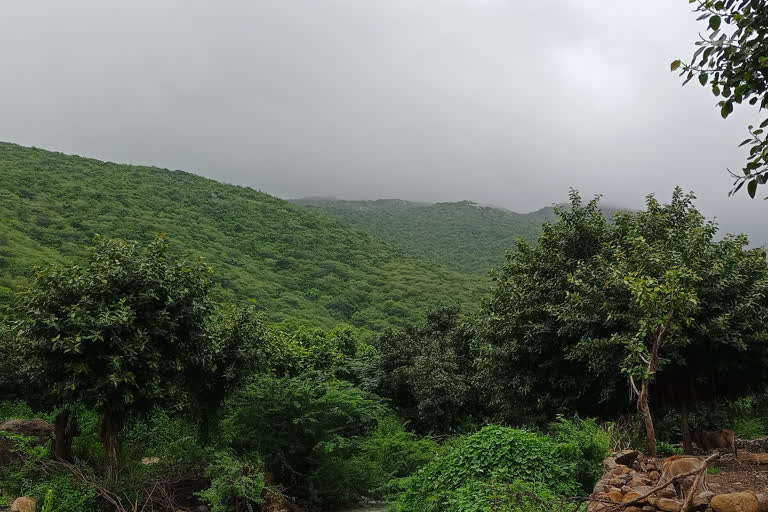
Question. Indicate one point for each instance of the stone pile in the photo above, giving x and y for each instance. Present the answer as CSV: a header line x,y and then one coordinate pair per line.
x,y
752,445
630,475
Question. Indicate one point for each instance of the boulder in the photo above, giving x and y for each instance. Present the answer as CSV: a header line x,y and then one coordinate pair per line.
x,y
37,428
762,502
631,496
627,457
701,501
668,505
735,502
24,504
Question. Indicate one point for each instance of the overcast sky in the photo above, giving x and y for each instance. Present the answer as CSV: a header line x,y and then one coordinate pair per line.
x,y
501,102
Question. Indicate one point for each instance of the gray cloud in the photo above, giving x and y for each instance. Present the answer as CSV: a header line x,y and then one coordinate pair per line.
x,y
503,102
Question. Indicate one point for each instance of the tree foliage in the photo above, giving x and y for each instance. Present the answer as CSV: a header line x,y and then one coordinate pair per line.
x,y
565,317
117,333
426,371
731,59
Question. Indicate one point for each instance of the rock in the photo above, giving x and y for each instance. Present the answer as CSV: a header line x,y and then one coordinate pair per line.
x,y
701,501
620,470
735,502
625,489
147,461
38,428
633,509
615,496
654,475
627,457
24,504
649,508
631,496
638,482
668,505
762,502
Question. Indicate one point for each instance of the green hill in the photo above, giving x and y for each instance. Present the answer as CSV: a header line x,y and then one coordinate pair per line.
x,y
462,236
300,266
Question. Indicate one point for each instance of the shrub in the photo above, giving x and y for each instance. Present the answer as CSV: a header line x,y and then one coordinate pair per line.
x,y
60,495
585,444
494,455
366,467
665,449
233,481
171,439
293,423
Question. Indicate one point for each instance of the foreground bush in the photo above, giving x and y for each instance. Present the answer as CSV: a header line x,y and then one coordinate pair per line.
x,y
500,468
367,466
294,423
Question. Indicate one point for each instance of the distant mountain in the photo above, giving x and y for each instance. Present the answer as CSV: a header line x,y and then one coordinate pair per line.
x,y
463,236
297,264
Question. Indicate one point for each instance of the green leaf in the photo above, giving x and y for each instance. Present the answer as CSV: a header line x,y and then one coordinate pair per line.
x,y
703,78
675,64
752,188
764,124
714,22
727,109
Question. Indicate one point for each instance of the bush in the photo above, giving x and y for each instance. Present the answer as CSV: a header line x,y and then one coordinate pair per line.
x,y
516,496
295,423
60,495
347,472
233,482
494,455
585,444
665,449
171,439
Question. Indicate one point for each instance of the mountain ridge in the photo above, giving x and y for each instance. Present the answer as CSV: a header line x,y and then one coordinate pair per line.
x,y
296,265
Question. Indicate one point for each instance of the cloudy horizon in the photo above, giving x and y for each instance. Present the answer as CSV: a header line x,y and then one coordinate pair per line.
x,y
497,102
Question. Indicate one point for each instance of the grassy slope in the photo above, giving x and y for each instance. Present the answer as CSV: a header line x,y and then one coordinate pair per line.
x,y
462,236
298,265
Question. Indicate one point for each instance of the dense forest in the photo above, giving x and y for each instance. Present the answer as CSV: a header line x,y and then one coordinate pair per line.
x,y
293,264
462,236
135,374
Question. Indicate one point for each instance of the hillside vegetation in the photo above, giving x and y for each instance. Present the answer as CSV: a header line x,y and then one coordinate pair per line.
x,y
462,236
293,263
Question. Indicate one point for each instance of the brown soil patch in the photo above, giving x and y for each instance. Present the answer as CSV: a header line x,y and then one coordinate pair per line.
x,y
747,472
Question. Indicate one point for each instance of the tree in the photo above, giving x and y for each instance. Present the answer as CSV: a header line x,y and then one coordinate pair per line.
x,y
651,296
116,333
427,372
237,347
732,60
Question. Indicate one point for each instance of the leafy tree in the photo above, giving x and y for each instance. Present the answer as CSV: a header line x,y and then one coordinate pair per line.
x,y
651,296
238,345
732,60
294,423
117,333
426,370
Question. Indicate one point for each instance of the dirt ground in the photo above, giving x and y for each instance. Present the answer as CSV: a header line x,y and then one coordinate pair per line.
x,y
747,472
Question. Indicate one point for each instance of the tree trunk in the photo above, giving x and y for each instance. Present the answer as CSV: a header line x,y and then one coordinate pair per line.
x,y
685,429
65,429
645,411
110,431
